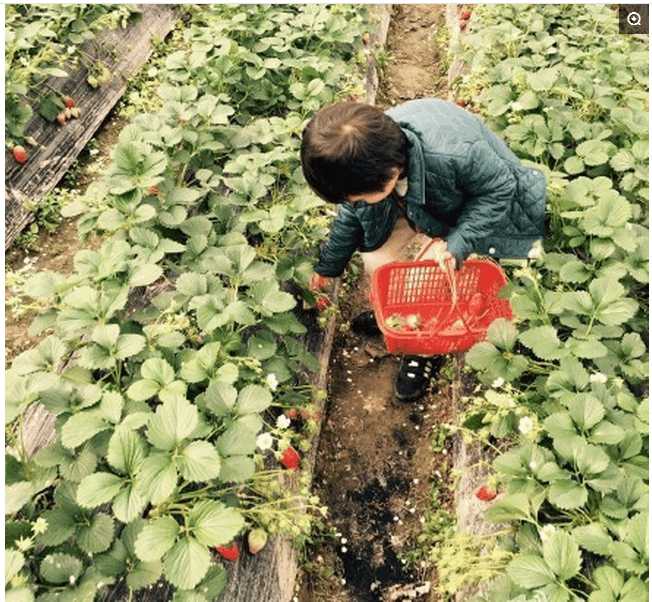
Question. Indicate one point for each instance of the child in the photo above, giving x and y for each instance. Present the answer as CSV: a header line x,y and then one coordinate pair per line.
x,y
426,166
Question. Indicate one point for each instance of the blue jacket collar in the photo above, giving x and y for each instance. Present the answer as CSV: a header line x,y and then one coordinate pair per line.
x,y
416,168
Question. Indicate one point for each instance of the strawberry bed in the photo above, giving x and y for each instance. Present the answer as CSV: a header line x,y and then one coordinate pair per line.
x,y
563,395
171,352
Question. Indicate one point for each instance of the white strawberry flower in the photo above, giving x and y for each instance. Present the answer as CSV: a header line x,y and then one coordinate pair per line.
x,y
264,441
283,421
272,381
499,382
598,377
525,425
40,525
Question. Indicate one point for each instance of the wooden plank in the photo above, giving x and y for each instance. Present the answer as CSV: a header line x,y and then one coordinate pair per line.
x,y
126,51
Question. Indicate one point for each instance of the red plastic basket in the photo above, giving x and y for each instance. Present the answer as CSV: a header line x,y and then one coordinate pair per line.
x,y
423,288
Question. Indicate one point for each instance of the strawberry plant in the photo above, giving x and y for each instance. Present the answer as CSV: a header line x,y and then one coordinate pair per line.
x,y
40,39
565,385
164,406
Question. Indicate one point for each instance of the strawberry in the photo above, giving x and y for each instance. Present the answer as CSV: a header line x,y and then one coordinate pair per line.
x,y
69,102
485,494
365,38
256,539
68,113
61,118
228,552
20,154
153,191
292,413
318,282
476,304
322,303
462,25
465,15
460,102
290,458
75,112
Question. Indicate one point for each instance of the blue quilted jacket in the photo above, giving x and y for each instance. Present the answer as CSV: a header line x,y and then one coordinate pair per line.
x,y
464,185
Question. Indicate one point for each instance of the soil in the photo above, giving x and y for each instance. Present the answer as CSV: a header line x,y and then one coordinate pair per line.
x,y
55,251
376,463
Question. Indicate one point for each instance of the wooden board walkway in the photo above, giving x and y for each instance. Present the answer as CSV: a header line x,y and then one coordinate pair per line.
x,y
124,52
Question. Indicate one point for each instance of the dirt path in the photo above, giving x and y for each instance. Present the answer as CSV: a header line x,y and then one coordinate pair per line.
x,y
377,466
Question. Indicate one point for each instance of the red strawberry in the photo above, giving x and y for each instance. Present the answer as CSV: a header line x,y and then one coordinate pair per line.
x,y
290,458
485,494
229,552
153,191
69,102
292,413
462,25
465,15
461,102
322,303
476,304
61,118
256,539
20,154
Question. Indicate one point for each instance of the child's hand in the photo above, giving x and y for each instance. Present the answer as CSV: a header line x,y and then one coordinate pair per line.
x,y
319,282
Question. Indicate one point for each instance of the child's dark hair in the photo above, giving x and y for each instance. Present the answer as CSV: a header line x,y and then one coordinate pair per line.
x,y
350,148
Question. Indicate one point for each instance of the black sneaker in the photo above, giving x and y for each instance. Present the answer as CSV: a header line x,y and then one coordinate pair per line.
x,y
414,376
365,323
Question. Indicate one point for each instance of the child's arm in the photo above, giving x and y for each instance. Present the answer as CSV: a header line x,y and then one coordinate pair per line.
x,y
345,238
488,184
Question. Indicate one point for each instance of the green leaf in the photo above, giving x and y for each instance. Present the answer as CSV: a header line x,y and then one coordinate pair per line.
x,y
574,165
543,341
157,477
586,411
106,335
567,494
187,563
126,451
14,562
128,504
562,555
530,571
17,495
278,301
156,538
60,568
214,524
220,398
61,526
253,399
157,370
129,345
237,440
199,461
509,508
111,406
237,469
98,488
97,536
173,422
502,333
594,538
143,390
81,427
608,579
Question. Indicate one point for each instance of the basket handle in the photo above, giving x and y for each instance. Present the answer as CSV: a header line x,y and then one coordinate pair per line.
x,y
427,248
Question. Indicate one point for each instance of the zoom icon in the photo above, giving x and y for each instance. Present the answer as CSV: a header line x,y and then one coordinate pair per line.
x,y
633,18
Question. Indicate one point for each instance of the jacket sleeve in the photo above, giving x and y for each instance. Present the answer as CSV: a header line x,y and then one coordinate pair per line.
x,y
488,186
345,238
